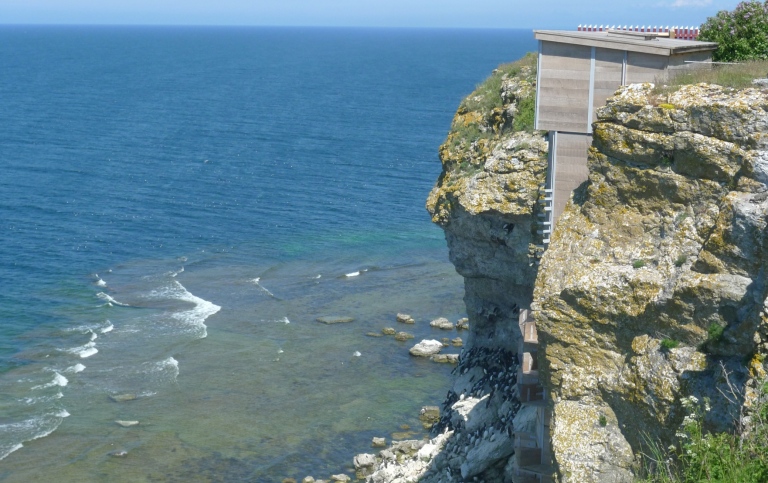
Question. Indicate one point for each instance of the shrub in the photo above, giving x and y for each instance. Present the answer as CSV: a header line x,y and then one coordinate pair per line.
x,y
715,332
603,420
681,259
741,34
526,111
638,264
669,344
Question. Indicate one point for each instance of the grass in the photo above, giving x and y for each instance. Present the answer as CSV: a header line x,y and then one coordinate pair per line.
x,y
698,456
487,95
737,76
638,264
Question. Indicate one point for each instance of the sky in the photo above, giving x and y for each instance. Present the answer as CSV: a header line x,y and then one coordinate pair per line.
x,y
544,14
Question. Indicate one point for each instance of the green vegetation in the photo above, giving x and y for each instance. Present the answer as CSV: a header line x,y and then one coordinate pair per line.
x,y
667,344
701,456
715,332
741,34
638,264
526,110
603,420
737,76
487,95
680,261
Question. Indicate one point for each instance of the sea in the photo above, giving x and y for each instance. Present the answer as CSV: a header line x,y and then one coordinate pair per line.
x,y
178,207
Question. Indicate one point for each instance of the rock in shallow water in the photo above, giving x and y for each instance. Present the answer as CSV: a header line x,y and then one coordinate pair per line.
x,y
442,323
405,319
335,319
426,348
127,424
403,336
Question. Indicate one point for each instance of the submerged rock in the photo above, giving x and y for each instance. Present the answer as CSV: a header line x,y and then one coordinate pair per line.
x,y
127,424
335,319
123,397
388,331
403,336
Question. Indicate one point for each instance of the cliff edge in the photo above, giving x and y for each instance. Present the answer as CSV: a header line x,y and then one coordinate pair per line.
x,y
654,285
652,289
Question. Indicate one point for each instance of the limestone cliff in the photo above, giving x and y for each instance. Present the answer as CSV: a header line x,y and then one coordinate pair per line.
x,y
654,285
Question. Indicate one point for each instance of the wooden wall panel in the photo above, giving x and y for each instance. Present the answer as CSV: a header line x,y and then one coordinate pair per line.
x,y
570,168
645,67
564,87
608,70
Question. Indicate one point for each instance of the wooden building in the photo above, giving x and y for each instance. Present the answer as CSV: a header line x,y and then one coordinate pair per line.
x,y
577,72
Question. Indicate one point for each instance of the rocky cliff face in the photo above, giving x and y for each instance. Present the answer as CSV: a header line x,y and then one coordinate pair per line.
x,y
654,285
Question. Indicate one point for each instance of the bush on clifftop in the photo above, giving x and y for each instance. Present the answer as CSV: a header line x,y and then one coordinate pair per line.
x,y
741,34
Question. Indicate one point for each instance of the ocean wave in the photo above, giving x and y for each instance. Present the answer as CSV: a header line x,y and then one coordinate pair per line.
x,y
194,319
165,371
58,380
108,299
84,351
18,433
75,369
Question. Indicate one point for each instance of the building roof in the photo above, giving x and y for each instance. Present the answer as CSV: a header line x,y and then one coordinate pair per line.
x,y
622,40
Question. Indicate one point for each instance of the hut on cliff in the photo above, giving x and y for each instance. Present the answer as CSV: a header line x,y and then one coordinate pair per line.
x,y
577,72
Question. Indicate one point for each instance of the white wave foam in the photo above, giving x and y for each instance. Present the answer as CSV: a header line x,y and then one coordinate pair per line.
x,y
101,283
43,399
174,274
193,318
285,320
75,369
356,354
108,328
93,335
318,276
164,371
15,434
256,281
355,274
58,380
84,351
107,298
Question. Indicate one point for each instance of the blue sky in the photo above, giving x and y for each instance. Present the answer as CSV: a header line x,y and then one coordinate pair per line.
x,y
566,14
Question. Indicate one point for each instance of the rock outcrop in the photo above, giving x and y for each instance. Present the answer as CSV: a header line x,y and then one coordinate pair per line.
x,y
654,285
652,289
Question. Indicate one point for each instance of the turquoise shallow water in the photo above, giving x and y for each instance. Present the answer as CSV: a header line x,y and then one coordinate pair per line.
x,y
171,197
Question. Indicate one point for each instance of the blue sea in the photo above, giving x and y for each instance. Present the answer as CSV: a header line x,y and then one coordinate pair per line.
x,y
177,208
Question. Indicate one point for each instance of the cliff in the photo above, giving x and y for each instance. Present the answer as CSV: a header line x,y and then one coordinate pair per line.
x,y
652,289
654,285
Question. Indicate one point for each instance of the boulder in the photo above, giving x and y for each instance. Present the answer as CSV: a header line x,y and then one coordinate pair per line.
x,y
388,331
442,323
379,442
405,319
426,348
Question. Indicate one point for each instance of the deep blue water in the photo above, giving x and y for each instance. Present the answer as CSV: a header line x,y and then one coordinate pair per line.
x,y
130,153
